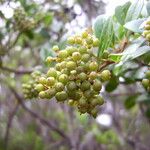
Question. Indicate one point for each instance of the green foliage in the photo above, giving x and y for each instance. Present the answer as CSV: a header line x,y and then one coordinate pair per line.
x,y
134,10
30,140
121,12
130,101
148,7
114,55
104,31
134,25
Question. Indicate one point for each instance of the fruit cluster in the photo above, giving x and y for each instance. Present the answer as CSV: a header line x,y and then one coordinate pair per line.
x,y
146,81
29,89
22,21
76,77
146,32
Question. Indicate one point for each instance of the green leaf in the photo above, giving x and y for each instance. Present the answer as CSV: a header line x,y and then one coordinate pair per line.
x,y
103,29
134,25
44,33
134,10
48,19
99,25
141,51
131,51
130,101
115,57
45,52
121,11
29,34
112,84
148,7
144,98
119,30
147,113
1,14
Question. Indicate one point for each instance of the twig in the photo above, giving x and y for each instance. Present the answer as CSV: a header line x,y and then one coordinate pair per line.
x,y
15,41
105,64
21,71
9,123
142,63
125,94
37,116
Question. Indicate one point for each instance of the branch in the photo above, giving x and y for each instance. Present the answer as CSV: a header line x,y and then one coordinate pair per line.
x,y
9,123
105,64
15,41
37,116
21,71
141,63
126,94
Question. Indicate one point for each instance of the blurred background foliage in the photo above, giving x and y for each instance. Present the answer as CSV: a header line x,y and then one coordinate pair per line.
x,y
123,122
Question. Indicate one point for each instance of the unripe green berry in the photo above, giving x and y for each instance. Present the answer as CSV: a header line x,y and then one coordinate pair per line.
x,y
55,48
105,75
147,74
93,75
58,67
50,93
51,81
82,76
71,86
72,77
89,93
84,34
52,73
71,49
59,86
85,57
78,40
71,40
76,56
63,64
82,102
148,22
89,40
63,78
70,102
71,94
83,110
95,42
145,83
100,100
42,80
49,59
94,112
42,94
93,66
80,69
105,55
39,87
61,96
86,67
85,86
63,54
148,37
97,85
82,49
146,32
65,71
147,27
77,96
71,65
73,72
